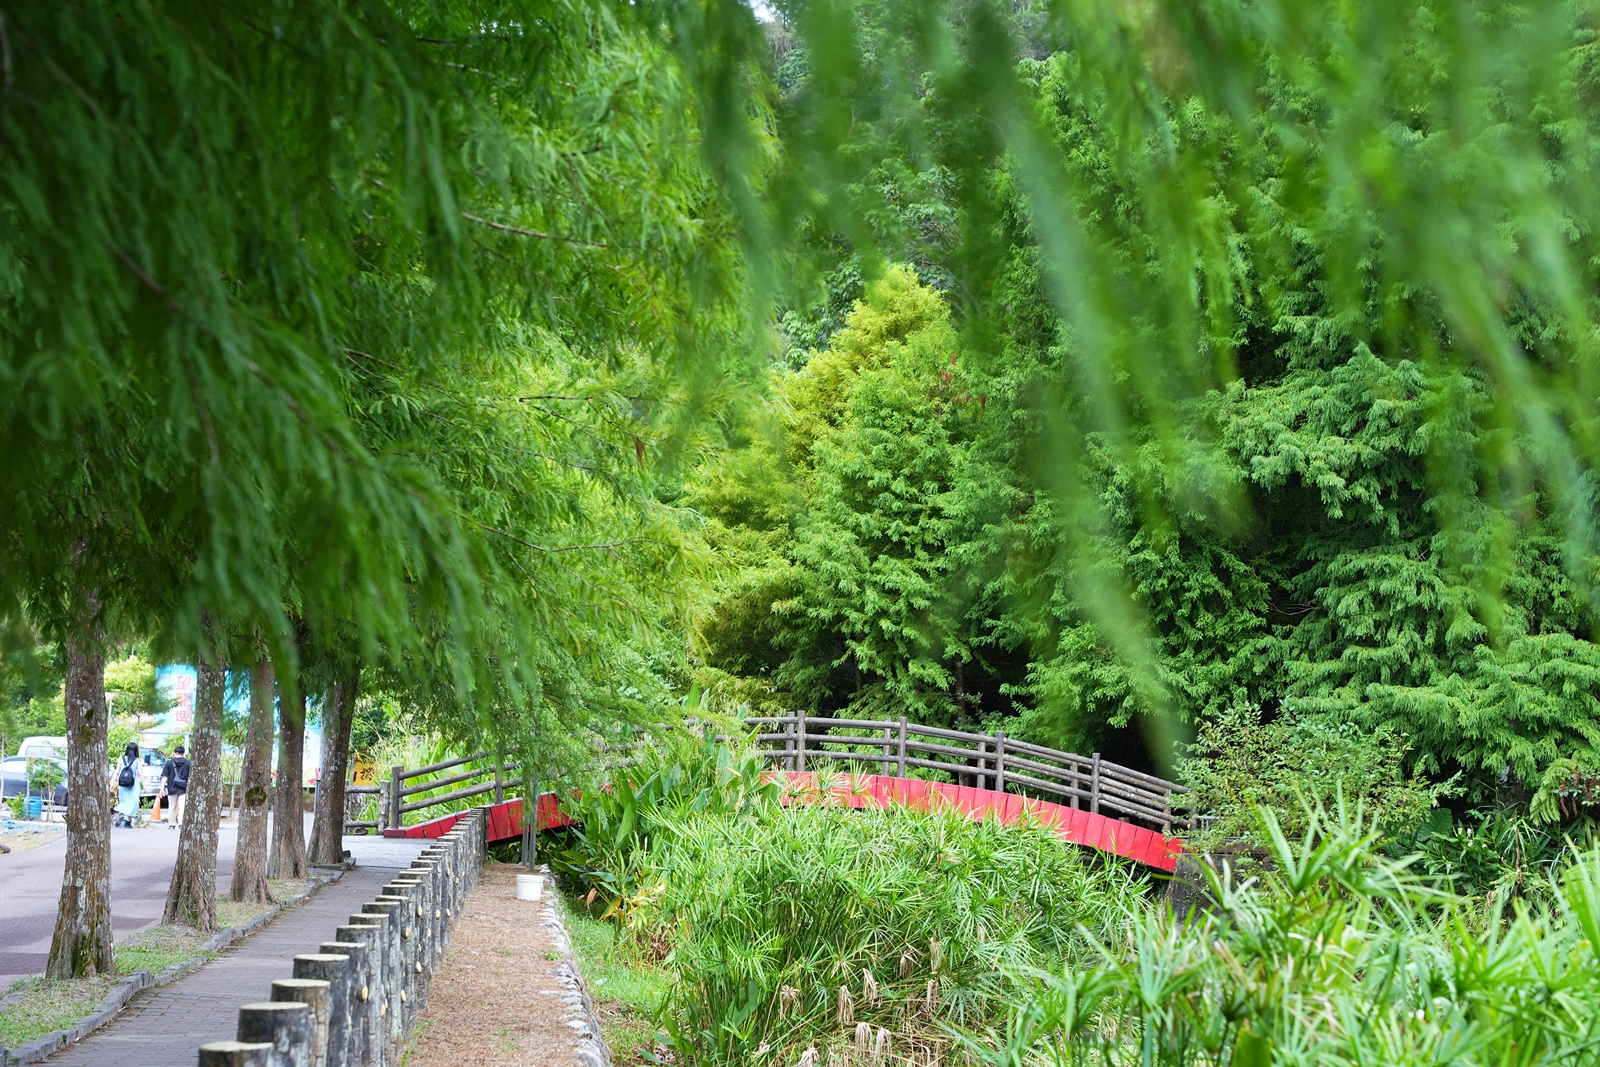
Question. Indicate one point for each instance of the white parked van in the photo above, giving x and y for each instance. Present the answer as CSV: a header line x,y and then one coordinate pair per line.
x,y
46,747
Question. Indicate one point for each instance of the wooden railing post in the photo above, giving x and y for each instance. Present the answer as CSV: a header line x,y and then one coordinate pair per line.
x,y
900,758
1094,785
499,783
788,746
1000,761
885,762
800,740
397,786
286,1026
383,807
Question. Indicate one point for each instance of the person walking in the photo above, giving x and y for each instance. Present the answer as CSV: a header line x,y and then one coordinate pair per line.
x,y
175,783
127,809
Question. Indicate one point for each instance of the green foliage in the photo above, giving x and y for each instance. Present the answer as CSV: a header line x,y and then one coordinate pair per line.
x,y
1292,767
1502,854
803,929
1276,409
1342,957
855,519
612,852
43,777
380,399
131,686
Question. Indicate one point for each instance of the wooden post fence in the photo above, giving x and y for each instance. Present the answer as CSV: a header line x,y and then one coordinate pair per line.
x,y
353,1002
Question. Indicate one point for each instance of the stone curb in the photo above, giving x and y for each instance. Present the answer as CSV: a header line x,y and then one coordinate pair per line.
x,y
123,991
591,1048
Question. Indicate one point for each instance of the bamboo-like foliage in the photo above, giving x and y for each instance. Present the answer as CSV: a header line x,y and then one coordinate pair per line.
x,y
1338,956
1145,199
792,932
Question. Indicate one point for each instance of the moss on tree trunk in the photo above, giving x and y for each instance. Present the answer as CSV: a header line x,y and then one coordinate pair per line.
x,y
192,897
82,943
327,825
255,792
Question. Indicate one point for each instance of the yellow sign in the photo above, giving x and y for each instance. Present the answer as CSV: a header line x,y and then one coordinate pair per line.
x,y
363,772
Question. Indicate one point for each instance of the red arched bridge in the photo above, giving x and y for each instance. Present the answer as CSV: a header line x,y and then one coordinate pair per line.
x,y
1091,802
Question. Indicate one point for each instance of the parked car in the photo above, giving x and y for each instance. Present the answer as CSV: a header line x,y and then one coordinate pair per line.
x,y
151,760
14,779
54,747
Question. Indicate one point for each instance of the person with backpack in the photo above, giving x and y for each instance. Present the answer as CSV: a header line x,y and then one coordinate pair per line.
x,y
175,783
127,809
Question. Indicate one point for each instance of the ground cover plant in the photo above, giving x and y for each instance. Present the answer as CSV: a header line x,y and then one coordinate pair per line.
x,y
825,926
805,933
1340,955
783,926
626,987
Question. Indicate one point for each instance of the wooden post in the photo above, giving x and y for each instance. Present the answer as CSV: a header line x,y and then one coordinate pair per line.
x,y
499,783
372,937
383,807
397,786
1077,786
419,913
391,911
333,968
900,760
1094,785
236,1054
405,894
800,740
1000,761
358,1035
285,1025
885,764
313,993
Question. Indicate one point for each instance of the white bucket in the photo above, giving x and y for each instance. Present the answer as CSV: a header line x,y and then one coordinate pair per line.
x,y
529,886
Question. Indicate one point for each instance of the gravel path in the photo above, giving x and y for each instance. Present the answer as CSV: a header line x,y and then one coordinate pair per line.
x,y
507,995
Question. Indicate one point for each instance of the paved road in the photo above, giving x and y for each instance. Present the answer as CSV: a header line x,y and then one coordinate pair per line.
x,y
141,869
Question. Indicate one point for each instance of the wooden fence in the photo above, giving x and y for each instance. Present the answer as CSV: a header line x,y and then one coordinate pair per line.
x,y
801,742
354,1000
393,793
895,747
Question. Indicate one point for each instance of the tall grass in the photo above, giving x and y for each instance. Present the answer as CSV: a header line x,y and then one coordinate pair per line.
x,y
1337,956
827,927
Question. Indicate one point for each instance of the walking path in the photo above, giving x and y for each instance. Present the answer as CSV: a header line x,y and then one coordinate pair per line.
x,y
507,992
167,1025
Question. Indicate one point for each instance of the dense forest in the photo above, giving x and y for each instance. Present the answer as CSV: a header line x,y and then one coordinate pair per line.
x,y
1169,380
932,506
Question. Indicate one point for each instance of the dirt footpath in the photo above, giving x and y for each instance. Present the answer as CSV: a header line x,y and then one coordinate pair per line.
x,y
501,998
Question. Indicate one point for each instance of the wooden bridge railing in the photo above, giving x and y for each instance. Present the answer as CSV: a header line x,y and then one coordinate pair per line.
x,y
802,742
989,761
393,794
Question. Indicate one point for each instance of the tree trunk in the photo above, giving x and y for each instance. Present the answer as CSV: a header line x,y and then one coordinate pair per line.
x,y
192,898
327,824
81,946
288,858
255,781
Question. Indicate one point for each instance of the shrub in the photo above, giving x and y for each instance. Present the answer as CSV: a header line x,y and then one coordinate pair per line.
x,y
1240,765
609,854
862,929
1341,957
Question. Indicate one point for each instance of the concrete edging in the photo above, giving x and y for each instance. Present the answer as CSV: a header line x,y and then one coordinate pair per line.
x,y
138,981
591,1048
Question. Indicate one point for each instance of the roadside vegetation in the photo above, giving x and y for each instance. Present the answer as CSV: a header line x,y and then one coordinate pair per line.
x,y
42,1006
728,929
